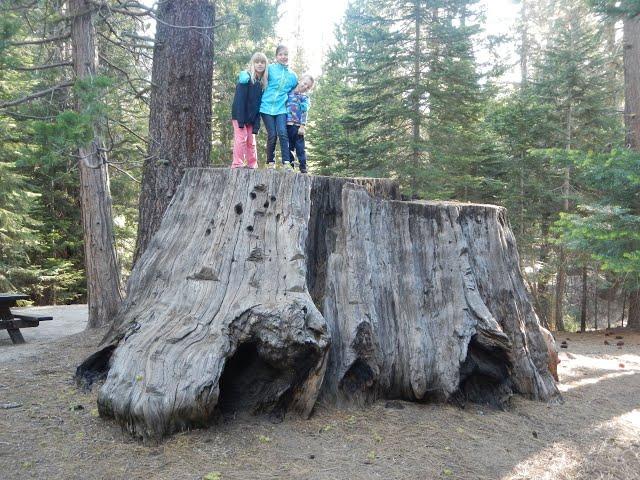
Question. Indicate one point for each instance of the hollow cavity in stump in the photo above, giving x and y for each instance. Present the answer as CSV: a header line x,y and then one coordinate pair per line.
x,y
336,290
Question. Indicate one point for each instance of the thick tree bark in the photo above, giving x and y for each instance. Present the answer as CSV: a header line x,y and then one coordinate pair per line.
x,y
180,109
263,290
101,262
632,122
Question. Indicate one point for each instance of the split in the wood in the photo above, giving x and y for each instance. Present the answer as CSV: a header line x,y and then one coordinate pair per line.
x,y
356,296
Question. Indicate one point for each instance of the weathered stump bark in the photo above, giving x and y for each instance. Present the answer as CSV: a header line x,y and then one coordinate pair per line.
x,y
263,290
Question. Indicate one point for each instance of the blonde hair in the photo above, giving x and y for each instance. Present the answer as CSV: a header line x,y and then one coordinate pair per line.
x,y
258,56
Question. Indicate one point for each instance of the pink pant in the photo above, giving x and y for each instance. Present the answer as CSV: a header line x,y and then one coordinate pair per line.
x,y
244,146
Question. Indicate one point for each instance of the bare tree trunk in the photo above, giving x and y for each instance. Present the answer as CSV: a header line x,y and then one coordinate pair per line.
x,y
101,262
609,32
417,52
562,256
301,286
561,278
524,44
595,298
632,123
544,305
583,300
624,306
633,320
180,109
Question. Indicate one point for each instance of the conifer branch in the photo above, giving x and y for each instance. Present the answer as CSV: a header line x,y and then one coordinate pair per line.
x,y
126,46
42,67
141,11
39,94
127,129
138,93
122,170
39,41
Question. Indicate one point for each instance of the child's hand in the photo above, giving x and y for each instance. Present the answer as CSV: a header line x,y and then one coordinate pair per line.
x,y
301,130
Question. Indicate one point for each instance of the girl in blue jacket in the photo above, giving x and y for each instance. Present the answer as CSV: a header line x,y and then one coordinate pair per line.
x,y
273,106
245,111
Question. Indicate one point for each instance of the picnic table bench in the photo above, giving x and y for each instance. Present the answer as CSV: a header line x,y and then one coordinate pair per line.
x,y
12,322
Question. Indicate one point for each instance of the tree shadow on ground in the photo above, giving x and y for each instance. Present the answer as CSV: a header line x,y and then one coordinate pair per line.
x,y
590,435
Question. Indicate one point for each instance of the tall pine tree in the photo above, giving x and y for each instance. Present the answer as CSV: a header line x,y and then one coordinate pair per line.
x,y
404,82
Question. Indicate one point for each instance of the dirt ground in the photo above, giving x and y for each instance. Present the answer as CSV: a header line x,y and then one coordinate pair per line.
x,y
53,430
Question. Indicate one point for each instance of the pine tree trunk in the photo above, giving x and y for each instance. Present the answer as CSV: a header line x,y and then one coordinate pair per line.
x,y
632,122
101,262
560,288
524,44
633,317
417,82
180,109
295,287
562,256
544,303
595,298
583,301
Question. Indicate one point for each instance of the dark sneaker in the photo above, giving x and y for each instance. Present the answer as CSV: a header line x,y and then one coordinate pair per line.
x,y
303,169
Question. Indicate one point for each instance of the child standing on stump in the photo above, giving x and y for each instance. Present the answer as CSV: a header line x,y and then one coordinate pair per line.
x,y
274,109
297,108
245,111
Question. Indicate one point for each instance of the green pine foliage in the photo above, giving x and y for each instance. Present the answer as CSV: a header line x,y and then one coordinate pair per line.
x,y
572,80
39,141
400,84
617,8
401,95
249,28
607,229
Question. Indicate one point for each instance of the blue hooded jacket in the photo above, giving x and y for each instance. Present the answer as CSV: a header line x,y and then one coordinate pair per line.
x,y
297,108
281,82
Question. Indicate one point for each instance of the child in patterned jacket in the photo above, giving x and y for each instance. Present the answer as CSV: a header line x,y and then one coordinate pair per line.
x,y
297,109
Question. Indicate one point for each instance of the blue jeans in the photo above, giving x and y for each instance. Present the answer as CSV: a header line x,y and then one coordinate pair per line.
x,y
276,126
296,142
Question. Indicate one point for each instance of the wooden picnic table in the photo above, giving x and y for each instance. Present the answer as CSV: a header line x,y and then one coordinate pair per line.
x,y
14,322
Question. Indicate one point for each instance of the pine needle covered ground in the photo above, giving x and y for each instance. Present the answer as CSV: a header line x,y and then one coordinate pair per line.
x,y
55,431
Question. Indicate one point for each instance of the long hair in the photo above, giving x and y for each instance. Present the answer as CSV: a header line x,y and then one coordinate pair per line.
x,y
257,57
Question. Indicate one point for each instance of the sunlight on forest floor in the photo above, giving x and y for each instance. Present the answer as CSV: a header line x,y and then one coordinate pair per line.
x,y
594,434
596,368
600,379
556,461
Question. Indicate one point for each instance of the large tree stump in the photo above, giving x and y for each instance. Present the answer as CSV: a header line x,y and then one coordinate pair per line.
x,y
263,290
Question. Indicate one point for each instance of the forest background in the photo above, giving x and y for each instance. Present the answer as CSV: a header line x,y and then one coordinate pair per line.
x,y
403,94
